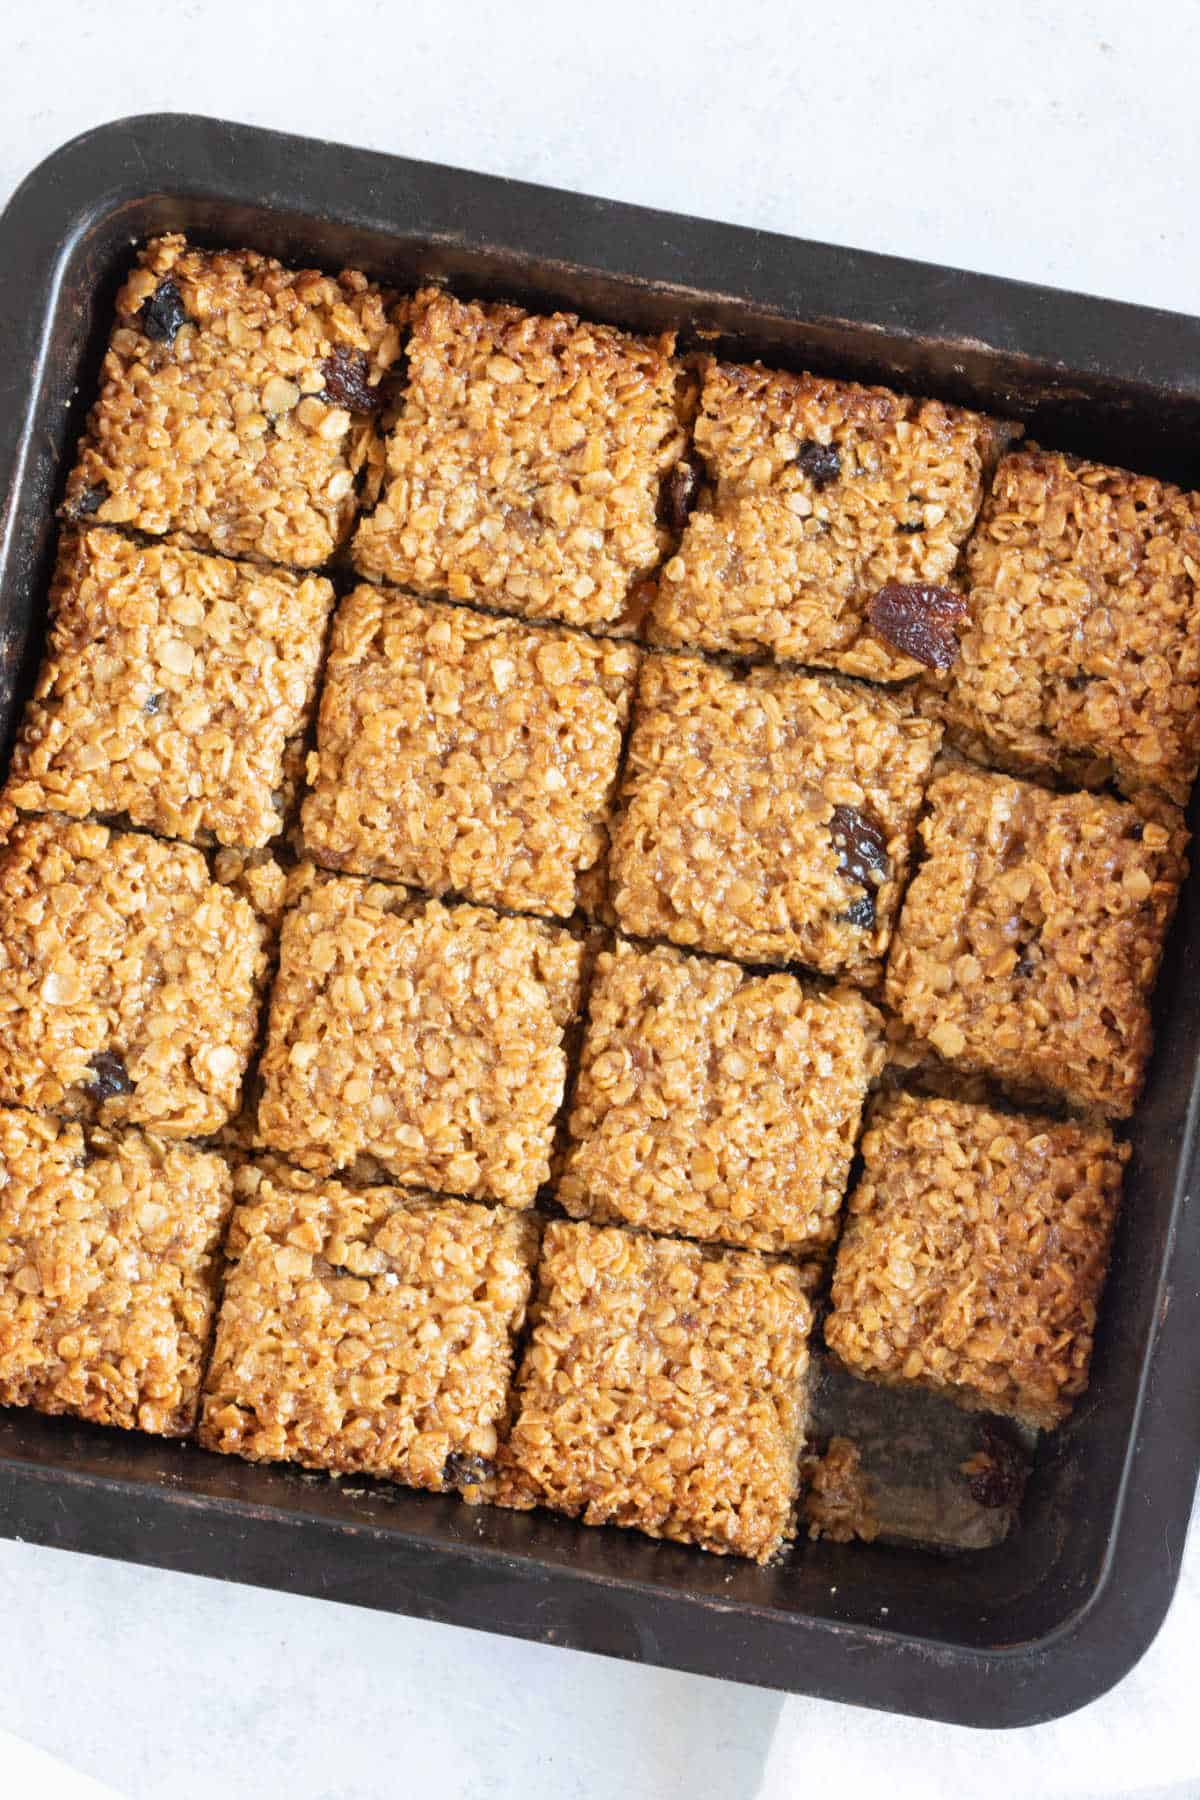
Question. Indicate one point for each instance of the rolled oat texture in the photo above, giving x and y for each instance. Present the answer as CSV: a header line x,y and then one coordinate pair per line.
x,y
1082,660
714,1105
130,981
1031,935
259,877
820,493
237,405
664,1387
427,1037
109,1264
171,687
839,1502
524,467
738,801
465,755
367,1330
975,1254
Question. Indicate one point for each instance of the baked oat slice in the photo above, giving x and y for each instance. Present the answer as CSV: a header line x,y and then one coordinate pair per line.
x,y
464,754
1031,936
663,1387
109,1265
715,1105
130,981
172,686
1082,657
975,1253
426,1037
524,468
238,402
366,1330
819,494
768,818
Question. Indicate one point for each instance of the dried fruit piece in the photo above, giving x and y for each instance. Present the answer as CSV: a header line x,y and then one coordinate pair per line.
x,y
88,502
151,704
820,462
346,382
163,313
860,912
680,492
918,619
109,1075
462,1469
997,1473
861,843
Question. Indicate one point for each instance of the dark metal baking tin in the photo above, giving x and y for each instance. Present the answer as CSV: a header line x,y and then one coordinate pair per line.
x,y
1008,1636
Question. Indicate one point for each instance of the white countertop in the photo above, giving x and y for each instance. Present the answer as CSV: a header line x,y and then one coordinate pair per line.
x,y
1060,149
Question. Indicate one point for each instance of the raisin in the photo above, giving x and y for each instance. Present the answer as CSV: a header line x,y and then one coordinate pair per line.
x,y
861,844
679,494
88,502
1024,967
109,1075
462,1469
918,619
1137,831
346,382
1000,1480
163,313
151,704
860,912
820,462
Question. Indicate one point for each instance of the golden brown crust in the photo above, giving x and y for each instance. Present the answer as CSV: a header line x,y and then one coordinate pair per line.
x,y
724,840
785,559
974,1255
523,470
425,1036
1082,659
465,755
219,433
714,1105
663,1387
1031,935
108,1272
170,688
765,816
367,1330
129,980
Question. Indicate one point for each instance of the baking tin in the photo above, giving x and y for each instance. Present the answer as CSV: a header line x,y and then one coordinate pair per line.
x,y
1011,1635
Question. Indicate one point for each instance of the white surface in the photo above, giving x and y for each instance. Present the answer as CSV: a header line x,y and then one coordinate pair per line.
x,y
1008,139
